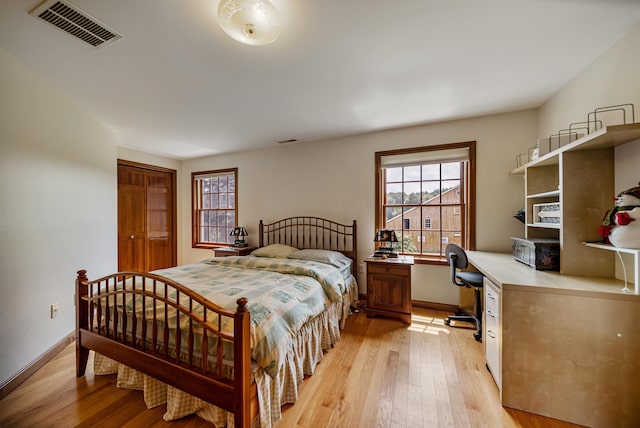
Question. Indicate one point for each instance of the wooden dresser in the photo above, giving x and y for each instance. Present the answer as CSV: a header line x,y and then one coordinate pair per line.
x,y
389,287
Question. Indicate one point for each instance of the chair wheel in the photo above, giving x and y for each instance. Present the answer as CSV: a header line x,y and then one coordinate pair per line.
x,y
477,336
447,321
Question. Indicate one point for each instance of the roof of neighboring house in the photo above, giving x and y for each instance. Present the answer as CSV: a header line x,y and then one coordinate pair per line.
x,y
427,202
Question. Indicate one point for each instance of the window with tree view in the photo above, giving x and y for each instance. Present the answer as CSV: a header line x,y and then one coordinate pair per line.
x,y
215,199
426,196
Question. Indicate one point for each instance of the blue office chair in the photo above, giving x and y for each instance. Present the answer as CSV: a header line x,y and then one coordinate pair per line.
x,y
457,259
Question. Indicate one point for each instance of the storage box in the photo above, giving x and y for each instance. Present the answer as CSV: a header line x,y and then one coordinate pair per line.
x,y
546,213
538,253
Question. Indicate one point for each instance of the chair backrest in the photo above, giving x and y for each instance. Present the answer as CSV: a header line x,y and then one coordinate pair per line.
x,y
460,258
457,259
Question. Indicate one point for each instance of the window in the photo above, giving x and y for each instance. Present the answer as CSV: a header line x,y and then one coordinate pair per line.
x,y
432,187
215,207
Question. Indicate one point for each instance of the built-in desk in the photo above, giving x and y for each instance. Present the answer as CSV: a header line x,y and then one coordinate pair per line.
x,y
567,347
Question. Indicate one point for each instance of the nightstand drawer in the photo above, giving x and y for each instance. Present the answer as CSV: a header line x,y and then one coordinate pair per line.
x,y
388,269
232,251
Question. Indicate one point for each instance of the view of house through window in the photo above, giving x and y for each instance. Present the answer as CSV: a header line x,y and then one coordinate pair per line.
x,y
214,207
424,195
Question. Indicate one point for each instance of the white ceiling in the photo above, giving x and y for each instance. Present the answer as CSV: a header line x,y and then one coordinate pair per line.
x,y
178,86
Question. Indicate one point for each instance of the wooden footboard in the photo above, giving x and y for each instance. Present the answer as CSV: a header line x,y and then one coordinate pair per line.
x,y
133,318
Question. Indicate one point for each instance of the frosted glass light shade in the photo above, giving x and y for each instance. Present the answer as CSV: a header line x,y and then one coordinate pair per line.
x,y
253,22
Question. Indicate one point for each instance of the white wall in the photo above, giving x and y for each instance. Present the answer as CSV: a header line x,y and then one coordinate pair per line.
x,y
335,179
612,79
55,159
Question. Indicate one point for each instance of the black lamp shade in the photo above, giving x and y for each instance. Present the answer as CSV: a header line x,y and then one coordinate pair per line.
x,y
386,235
238,231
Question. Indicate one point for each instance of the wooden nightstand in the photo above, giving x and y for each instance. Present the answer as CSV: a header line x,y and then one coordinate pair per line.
x,y
232,251
389,287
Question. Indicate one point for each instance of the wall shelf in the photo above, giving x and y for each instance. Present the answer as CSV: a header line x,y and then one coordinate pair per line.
x,y
545,225
632,251
551,194
607,136
580,178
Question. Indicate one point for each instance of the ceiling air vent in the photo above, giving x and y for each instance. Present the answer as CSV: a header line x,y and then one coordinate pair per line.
x,y
72,20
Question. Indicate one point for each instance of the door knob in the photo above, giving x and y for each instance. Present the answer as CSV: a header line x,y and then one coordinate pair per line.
x,y
131,237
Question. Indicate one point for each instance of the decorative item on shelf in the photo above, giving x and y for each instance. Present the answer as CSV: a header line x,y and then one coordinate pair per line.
x,y
546,213
387,237
537,253
522,159
592,117
534,153
520,215
239,233
592,124
252,22
555,141
621,225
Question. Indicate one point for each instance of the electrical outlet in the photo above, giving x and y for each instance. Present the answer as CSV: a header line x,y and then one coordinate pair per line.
x,y
361,268
54,310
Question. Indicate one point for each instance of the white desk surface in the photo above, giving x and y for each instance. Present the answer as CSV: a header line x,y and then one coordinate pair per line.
x,y
506,272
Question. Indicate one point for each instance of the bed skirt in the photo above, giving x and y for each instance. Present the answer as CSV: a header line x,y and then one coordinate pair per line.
x,y
304,353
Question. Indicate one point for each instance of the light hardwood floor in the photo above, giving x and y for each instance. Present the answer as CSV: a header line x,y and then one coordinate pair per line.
x,y
383,373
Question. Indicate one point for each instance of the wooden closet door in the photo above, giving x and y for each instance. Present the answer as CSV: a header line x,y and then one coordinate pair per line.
x,y
159,214
146,218
132,209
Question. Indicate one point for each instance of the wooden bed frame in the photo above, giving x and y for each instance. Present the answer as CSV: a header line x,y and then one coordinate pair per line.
x,y
148,345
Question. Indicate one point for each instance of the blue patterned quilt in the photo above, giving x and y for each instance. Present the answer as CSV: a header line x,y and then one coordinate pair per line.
x,y
283,294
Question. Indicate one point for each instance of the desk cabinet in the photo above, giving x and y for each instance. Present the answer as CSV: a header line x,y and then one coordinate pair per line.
x,y
572,357
566,347
389,287
492,333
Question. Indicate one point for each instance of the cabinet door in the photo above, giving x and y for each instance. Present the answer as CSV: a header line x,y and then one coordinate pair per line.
x,y
573,357
131,219
159,215
389,292
491,325
146,219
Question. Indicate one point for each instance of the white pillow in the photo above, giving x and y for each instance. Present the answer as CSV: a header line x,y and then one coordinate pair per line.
x,y
334,258
274,250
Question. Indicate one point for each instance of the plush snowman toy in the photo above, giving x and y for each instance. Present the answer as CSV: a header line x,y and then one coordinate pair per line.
x,y
621,225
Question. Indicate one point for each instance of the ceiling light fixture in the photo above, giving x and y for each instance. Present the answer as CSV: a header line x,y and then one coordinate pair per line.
x,y
252,22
